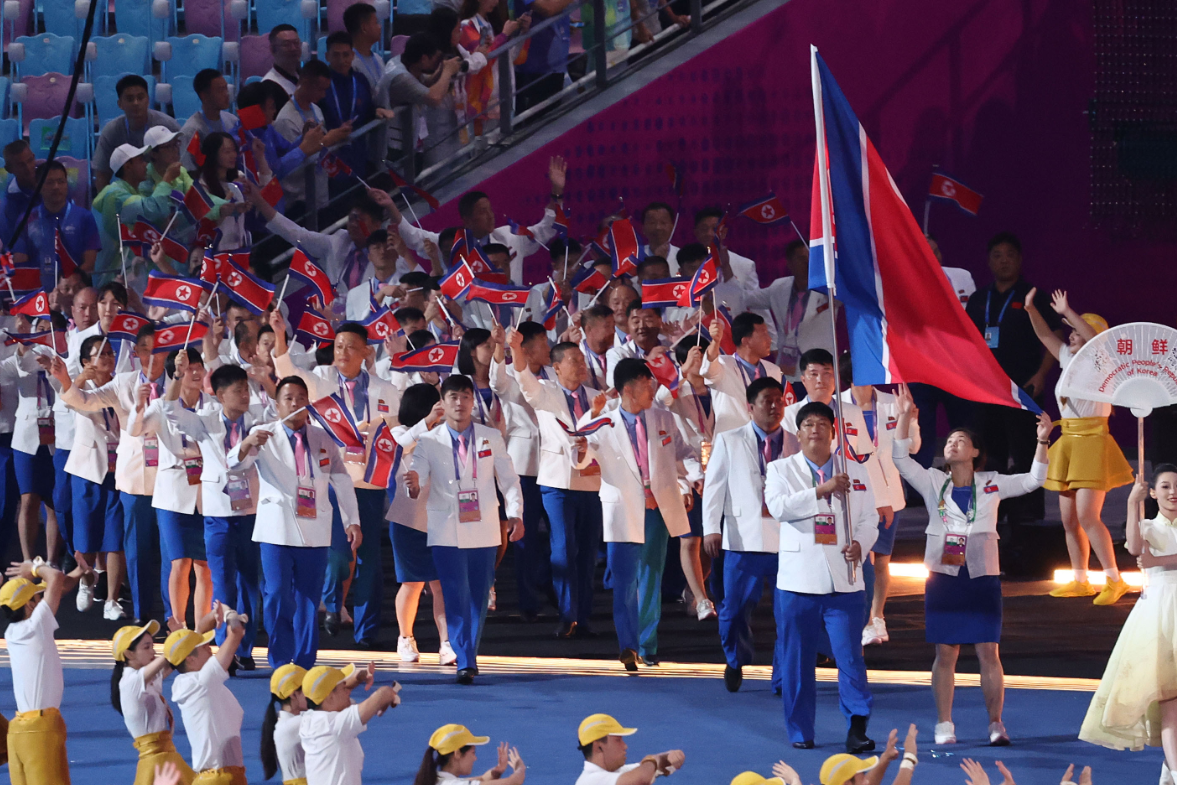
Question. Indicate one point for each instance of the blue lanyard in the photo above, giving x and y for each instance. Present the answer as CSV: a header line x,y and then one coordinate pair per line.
x,y
1000,316
485,398
354,93
747,370
303,114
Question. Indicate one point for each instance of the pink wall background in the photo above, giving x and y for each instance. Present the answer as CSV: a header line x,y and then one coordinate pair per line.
x,y
994,91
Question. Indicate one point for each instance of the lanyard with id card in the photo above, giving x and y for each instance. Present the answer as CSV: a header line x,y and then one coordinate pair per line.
x,y
192,469
825,527
993,333
237,489
151,450
469,510
955,545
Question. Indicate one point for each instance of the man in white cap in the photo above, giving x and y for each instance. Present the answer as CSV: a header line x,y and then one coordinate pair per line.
x,y
601,740
137,119
122,200
163,150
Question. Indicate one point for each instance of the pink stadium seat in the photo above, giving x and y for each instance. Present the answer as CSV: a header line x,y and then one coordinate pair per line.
x,y
335,10
45,97
396,47
22,25
256,59
204,17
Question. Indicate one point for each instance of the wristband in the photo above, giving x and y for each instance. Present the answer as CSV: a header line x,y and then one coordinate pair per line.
x,y
1044,441
909,757
908,765
38,562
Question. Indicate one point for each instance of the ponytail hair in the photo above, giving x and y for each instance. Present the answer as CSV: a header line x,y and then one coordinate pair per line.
x,y
432,763
116,677
269,752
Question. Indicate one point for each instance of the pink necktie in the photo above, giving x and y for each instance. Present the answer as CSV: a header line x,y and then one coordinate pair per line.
x,y
462,449
642,451
154,393
351,390
577,409
234,436
768,453
300,455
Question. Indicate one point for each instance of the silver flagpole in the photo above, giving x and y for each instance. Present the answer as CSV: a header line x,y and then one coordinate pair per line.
x,y
831,288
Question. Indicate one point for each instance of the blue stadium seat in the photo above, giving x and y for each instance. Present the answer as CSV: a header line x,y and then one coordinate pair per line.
x,y
60,18
75,142
137,17
37,55
192,54
185,103
120,54
9,131
106,100
271,13
4,83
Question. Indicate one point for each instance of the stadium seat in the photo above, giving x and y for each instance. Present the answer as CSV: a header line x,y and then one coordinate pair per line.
x,y
335,11
43,96
77,171
183,98
299,13
37,55
75,141
152,19
189,55
396,47
256,59
61,17
215,17
106,97
4,96
18,19
120,54
9,131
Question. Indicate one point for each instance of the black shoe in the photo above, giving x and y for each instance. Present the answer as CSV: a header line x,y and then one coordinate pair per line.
x,y
825,662
629,658
732,678
246,663
567,629
331,624
583,632
856,738
650,660
466,675
803,745
234,666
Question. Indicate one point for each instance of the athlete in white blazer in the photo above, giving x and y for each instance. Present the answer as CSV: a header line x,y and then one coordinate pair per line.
x,y
819,578
729,375
647,470
33,445
462,462
645,338
804,319
296,463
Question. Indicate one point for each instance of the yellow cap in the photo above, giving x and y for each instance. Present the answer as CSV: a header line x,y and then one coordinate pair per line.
x,y
321,679
598,726
126,636
181,643
286,680
1097,322
451,738
838,769
752,778
17,592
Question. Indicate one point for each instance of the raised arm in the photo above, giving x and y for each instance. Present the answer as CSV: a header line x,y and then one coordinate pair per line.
x,y
1051,341
1060,305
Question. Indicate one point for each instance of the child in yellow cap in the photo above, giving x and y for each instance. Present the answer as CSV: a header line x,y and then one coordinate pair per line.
x,y
212,716
601,741
450,758
330,729
281,745
36,736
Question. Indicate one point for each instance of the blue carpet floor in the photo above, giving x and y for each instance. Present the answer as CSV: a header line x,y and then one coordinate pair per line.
x,y
722,734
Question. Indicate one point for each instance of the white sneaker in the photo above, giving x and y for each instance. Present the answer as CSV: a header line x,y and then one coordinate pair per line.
x,y
407,649
446,655
945,733
705,609
85,600
875,632
492,602
112,611
997,735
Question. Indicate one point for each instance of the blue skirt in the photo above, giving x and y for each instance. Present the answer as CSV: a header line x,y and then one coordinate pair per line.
x,y
98,515
410,554
181,534
959,609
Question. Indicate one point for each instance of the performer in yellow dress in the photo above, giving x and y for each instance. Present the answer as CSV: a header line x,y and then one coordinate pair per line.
x,y
1136,702
1085,462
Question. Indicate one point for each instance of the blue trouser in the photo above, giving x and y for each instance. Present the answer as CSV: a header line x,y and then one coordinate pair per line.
x,y
744,574
63,498
9,496
637,586
367,588
339,558
868,579
141,543
800,618
466,575
233,562
293,582
532,570
575,521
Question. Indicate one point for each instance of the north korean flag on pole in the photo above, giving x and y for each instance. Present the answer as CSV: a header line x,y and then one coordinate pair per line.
x,y
903,318
560,224
722,314
665,372
498,294
64,258
304,270
178,336
439,357
948,189
553,302
768,211
590,427
172,291
332,413
588,280
429,198
24,278
381,457
705,279
381,324
314,328
34,306
147,235
251,291
126,326
51,338
212,267
624,248
664,292
455,283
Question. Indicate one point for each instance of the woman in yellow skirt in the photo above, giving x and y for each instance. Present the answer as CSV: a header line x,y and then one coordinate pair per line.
x,y
1085,462
136,692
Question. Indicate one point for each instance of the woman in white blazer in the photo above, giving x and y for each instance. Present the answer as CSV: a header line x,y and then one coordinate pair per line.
x,y
962,600
462,462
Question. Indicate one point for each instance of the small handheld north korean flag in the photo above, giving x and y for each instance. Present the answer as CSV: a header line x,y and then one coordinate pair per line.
x,y
948,189
400,182
455,283
314,328
34,306
722,314
178,336
64,258
212,267
769,210
249,290
334,166
54,339
588,280
624,247
519,230
665,373
665,292
126,326
147,235
560,223
24,278
553,302
705,279
439,358
172,291
332,413
304,270
382,458
590,427
498,294
381,324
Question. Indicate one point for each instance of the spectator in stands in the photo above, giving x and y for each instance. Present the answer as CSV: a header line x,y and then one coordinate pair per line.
x,y
217,175
214,115
348,100
443,120
58,215
286,49
541,75
657,227
283,156
478,32
163,147
363,28
414,78
122,201
294,120
21,165
130,128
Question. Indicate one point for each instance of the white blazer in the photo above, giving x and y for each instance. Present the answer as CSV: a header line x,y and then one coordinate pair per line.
x,y
623,498
277,521
384,401
132,475
9,399
857,435
981,554
733,491
619,352
814,331
558,454
520,419
26,435
358,304
729,390
806,567
88,458
404,510
695,424
885,482
172,491
433,460
207,430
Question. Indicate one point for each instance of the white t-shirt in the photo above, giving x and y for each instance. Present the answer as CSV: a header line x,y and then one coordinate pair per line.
x,y
289,746
1070,408
36,665
212,717
332,747
450,779
595,775
144,708
962,283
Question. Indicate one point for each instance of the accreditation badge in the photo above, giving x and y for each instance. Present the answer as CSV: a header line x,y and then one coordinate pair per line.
x,y
825,531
